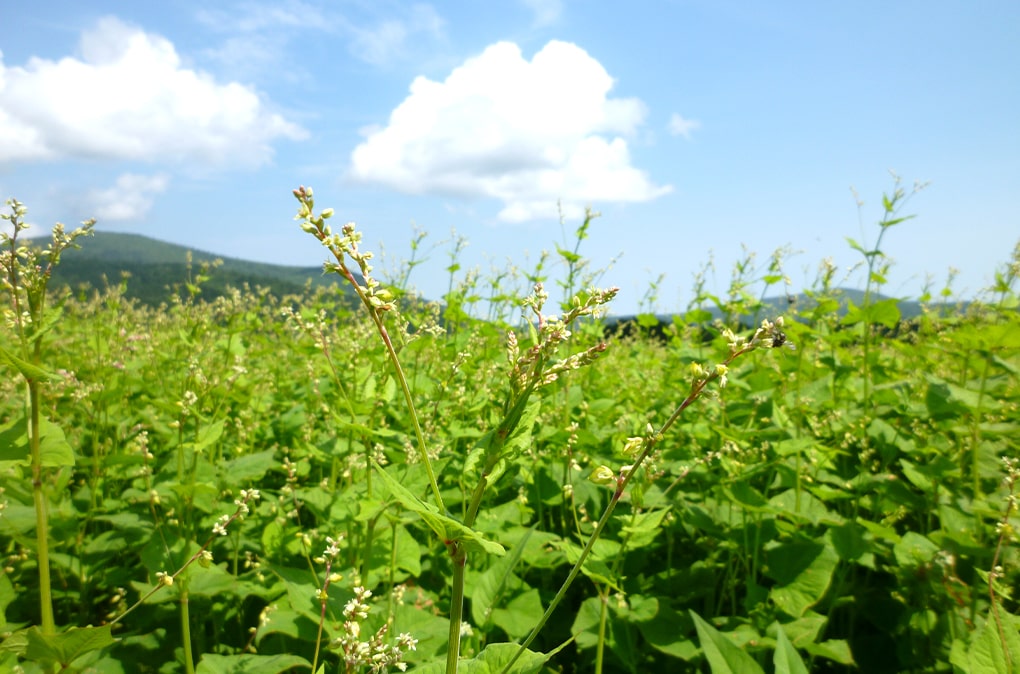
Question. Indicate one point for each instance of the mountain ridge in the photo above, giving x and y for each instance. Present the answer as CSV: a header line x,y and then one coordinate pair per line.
x,y
156,267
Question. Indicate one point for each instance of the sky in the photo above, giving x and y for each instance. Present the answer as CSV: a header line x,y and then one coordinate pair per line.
x,y
701,131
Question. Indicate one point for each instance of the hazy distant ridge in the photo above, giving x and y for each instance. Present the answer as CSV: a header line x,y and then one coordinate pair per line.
x,y
156,266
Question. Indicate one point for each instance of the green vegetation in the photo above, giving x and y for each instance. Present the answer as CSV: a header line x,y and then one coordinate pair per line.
x,y
271,482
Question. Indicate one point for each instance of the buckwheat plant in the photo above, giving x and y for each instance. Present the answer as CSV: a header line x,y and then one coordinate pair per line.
x,y
637,449
1006,535
531,368
26,271
204,557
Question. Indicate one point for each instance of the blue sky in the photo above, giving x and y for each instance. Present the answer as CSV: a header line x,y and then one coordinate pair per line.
x,y
698,129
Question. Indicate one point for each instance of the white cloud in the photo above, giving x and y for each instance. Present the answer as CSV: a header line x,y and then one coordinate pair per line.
x,y
546,11
530,134
129,199
129,97
678,126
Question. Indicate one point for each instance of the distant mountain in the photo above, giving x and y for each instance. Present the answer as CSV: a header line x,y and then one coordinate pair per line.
x,y
784,305
156,267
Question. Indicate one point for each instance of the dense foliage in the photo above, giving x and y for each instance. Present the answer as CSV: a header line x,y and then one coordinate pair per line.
x,y
844,505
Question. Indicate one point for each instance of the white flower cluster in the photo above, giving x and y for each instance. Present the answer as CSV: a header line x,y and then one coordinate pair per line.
x,y
374,653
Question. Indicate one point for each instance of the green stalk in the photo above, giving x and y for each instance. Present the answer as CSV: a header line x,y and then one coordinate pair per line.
x,y
603,615
189,662
975,432
457,552
375,309
459,556
41,515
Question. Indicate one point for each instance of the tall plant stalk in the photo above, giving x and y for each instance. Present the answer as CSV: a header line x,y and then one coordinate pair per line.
x,y
531,369
26,273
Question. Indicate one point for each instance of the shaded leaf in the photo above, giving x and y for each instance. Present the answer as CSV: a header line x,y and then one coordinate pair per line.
x,y
723,655
786,658
248,663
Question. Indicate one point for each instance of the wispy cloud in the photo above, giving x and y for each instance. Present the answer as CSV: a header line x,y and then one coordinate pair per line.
x,y
528,133
258,37
678,126
380,41
263,34
546,12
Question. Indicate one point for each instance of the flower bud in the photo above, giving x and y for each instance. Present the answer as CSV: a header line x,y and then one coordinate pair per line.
x,y
603,475
633,446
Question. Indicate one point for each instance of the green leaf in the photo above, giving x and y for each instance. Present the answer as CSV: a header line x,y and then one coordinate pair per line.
x,y
492,660
248,467
250,664
668,632
946,400
7,596
207,436
723,654
593,568
644,528
488,587
66,647
586,624
987,652
647,320
885,312
14,443
54,450
518,617
288,622
520,437
447,528
27,370
914,550
802,572
431,630
799,507
837,650
786,658
851,544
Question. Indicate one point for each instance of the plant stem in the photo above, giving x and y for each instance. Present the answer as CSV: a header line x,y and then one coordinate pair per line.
x,y
603,615
459,557
189,661
41,515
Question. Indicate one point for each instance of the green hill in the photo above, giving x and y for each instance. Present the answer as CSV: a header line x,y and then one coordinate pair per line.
x,y
155,268
158,269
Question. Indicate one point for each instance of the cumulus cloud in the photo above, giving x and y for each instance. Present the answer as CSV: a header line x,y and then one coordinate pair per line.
x,y
129,199
128,96
528,133
678,126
